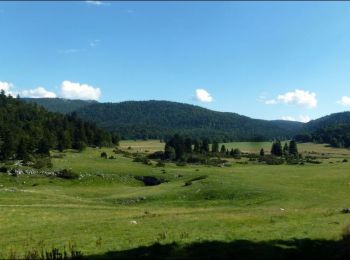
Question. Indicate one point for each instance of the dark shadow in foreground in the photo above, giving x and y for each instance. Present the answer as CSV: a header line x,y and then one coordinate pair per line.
x,y
239,249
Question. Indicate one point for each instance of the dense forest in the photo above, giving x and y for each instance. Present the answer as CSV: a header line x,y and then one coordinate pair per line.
x,y
27,129
162,119
336,135
60,105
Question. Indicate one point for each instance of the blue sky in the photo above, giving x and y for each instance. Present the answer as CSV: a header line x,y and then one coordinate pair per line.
x,y
268,60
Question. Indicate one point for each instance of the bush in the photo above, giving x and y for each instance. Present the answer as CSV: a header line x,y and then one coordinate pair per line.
x,y
272,160
156,155
104,155
67,174
143,160
3,169
42,162
160,164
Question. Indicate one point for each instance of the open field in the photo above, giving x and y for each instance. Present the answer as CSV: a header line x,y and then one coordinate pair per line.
x,y
107,209
248,147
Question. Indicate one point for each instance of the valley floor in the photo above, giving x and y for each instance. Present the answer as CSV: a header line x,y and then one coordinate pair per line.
x,y
272,211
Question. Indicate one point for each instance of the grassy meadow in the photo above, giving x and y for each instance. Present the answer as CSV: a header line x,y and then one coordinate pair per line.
x,y
108,210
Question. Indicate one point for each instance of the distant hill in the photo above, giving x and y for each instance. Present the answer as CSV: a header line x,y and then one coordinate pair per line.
x,y
328,121
60,105
159,119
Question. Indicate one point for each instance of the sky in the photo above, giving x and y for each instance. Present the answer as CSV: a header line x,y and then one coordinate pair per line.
x,y
267,60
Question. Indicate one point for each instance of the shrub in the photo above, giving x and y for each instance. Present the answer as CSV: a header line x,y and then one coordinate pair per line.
x,y
3,169
181,164
111,157
345,160
156,155
160,164
272,160
67,174
42,162
104,155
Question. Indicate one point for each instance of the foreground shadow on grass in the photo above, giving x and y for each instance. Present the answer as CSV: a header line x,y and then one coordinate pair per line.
x,y
239,249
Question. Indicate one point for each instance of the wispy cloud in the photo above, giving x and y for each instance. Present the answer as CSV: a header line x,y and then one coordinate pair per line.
x,y
94,43
97,3
296,97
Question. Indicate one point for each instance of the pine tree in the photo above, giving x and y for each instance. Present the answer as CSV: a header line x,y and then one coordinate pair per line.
x,y
188,145
223,149
276,148
262,152
285,149
22,152
215,147
205,145
293,149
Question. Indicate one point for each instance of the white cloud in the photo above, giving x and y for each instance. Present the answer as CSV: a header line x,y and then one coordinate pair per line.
x,y
301,118
98,3
38,92
6,86
73,90
203,96
344,101
297,97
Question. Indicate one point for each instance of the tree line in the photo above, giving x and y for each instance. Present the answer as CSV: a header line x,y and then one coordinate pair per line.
x,y
28,129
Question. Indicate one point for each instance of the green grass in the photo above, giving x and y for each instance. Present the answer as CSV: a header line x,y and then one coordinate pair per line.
x,y
107,209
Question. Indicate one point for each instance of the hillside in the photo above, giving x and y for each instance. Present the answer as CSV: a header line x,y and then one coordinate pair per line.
x,y
60,105
158,119
328,121
26,129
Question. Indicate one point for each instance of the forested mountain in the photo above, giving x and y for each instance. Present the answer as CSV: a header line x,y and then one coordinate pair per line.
x,y
60,105
159,119
328,121
30,129
333,129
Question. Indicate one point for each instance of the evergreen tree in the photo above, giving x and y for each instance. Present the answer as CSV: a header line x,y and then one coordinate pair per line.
x,y
188,145
205,145
43,147
236,153
223,149
63,141
169,152
293,149
262,152
8,146
285,149
22,152
196,146
277,148
215,147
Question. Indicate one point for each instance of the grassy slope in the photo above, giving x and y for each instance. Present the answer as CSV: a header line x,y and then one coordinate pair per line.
x,y
238,202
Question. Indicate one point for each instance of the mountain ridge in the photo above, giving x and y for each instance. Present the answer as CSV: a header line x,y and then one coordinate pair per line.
x,y
160,118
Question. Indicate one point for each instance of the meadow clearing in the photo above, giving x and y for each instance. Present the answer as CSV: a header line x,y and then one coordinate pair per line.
x,y
268,207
